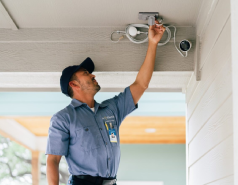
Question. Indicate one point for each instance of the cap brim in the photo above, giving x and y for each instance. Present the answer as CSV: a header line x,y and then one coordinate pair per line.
x,y
86,64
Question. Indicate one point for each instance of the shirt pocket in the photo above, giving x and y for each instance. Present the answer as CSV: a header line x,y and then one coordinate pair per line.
x,y
88,138
114,126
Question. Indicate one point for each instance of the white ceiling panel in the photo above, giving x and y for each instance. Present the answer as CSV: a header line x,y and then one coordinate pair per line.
x,y
4,17
3,22
75,13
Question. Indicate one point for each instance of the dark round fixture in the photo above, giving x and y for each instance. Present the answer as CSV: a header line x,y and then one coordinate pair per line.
x,y
185,45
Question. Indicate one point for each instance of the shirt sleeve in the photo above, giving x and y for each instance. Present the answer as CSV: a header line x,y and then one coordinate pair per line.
x,y
58,136
125,104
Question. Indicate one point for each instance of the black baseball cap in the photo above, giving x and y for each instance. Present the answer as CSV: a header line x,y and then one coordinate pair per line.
x,y
69,71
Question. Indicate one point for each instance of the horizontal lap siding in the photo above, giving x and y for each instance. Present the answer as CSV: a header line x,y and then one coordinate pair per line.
x,y
218,58
213,133
209,103
214,97
224,181
216,164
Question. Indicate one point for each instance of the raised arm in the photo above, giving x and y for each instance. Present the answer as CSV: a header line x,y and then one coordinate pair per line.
x,y
52,169
144,75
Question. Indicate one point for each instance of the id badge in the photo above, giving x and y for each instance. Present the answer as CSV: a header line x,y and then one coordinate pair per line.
x,y
111,131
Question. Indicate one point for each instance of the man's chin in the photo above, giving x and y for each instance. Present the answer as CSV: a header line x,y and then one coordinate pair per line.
x,y
98,88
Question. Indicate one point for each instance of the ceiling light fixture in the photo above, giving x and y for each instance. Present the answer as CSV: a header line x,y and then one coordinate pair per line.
x,y
150,130
131,32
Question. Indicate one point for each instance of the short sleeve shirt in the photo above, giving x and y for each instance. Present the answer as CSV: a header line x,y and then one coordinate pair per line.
x,y
81,136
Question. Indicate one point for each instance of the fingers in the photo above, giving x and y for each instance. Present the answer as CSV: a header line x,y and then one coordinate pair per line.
x,y
157,22
151,27
161,27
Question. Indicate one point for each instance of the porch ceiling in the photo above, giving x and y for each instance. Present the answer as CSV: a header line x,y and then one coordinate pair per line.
x,y
55,34
132,130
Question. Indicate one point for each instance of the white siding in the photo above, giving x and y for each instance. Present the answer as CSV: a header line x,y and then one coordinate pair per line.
x,y
210,101
234,46
224,181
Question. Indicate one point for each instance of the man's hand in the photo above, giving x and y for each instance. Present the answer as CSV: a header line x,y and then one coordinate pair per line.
x,y
155,33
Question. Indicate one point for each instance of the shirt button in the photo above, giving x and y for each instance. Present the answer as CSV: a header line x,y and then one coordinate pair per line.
x,y
106,143
100,128
86,129
109,158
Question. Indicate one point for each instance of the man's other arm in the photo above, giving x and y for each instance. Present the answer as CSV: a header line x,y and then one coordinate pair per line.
x,y
52,169
145,73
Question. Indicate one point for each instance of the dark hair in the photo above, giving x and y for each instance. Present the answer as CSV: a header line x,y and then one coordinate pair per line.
x,y
70,90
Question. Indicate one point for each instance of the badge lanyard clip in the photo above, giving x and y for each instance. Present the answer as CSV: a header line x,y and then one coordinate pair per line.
x,y
111,131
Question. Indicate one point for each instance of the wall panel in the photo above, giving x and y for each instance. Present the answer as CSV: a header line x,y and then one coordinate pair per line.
x,y
224,181
210,155
214,97
218,163
216,61
217,128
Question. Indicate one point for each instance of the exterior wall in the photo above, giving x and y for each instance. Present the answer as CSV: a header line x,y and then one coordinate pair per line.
x,y
153,162
234,58
210,102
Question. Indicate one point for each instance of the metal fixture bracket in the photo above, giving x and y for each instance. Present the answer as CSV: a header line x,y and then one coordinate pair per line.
x,y
150,16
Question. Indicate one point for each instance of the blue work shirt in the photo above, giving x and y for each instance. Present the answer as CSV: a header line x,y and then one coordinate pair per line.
x,y
81,136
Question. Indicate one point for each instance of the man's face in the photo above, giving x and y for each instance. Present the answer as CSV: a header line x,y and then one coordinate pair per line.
x,y
87,81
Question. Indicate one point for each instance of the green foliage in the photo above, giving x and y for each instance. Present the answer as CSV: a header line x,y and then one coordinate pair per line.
x,y
15,164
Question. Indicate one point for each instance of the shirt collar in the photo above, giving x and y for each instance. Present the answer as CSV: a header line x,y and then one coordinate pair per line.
x,y
77,103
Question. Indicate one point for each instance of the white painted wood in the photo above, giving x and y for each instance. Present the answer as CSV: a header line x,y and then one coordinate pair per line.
x,y
211,67
3,22
49,81
197,59
187,149
50,50
54,57
205,14
8,18
209,102
10,128
224,181
74,13
41,143
81,34
217,164
191,87
234,59
18,133
217,128
216,61
215,96
217,23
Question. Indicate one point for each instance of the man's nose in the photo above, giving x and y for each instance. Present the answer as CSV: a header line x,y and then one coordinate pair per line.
x,y
93,75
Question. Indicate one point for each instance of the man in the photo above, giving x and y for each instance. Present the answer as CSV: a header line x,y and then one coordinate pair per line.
x,y
81,131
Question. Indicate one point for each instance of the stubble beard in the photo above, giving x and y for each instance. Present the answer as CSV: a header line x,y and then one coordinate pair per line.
x,y
88,87
97,88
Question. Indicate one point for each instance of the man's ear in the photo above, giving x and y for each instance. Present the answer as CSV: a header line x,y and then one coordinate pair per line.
x,y
72,84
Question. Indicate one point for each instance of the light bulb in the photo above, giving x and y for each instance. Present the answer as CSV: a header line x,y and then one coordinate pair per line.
x,y
132,31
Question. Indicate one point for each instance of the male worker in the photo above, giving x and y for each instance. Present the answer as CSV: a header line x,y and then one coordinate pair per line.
x,y
81,131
